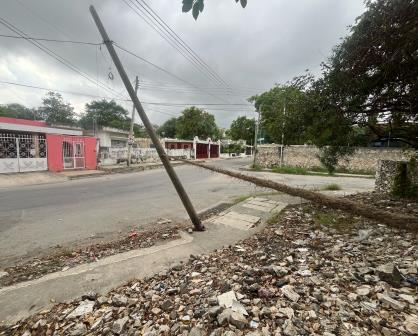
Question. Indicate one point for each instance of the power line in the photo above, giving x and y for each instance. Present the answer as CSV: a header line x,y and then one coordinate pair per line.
x,y
50,40
54,55
164,70
161,104
151,20
58,90
180,41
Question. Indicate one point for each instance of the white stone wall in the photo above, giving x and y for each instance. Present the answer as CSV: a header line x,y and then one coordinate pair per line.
x,y
363,159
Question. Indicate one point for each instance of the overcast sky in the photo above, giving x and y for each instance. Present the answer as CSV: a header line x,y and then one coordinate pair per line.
x,y
251,49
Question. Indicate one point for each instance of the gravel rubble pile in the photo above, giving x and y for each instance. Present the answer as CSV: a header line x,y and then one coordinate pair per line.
x,y
311,271
63,260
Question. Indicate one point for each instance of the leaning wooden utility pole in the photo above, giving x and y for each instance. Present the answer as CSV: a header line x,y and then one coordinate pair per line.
x,y
147,124
131,129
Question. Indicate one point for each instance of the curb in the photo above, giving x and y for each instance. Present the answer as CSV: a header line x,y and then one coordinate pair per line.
x,y
121,170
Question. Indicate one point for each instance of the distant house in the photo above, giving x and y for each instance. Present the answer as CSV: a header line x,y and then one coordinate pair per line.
x,y
198,149
29,145
112,144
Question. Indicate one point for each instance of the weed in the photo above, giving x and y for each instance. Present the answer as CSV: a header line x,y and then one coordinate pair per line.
x,y
290,170
331,186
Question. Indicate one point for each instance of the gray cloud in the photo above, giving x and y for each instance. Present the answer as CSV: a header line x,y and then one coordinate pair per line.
x,y
270,41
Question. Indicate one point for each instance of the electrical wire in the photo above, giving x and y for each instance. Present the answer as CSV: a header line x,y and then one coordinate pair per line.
x,y
181,42
164,70
50,40
54,55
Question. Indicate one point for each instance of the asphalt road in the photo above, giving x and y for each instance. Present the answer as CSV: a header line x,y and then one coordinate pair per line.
x,y
36,218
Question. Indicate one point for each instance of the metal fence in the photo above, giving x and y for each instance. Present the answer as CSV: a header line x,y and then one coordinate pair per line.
x,y
73,153
21,152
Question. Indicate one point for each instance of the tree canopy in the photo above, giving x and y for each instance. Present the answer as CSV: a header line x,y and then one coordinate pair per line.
x,y
196,122
168,129
55,111
19,111
197,6
368,88
242,128
110,114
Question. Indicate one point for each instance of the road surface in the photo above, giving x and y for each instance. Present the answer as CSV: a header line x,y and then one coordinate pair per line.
x,y
36,218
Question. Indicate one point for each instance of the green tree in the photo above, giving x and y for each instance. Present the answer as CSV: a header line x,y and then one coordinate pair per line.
x,y
242,128
197,6
371,78
168,129
104,113
196,122
108,114
283,111
19,111
55,111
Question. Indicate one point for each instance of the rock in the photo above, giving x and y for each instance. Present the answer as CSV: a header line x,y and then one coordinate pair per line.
x,y
288,312
3,274
389,273
167,305
79,330
408,298
238,320
290,293
363,290
304,273
386,299
195,275
364,234
92,296
223,318
265,293
119,325
196,332
83,308
119,300
156,311
265,312
215,311
225,299
289,329
411,324
238,307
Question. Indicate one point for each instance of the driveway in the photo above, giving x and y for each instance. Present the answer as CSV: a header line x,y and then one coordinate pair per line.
x,y
35,218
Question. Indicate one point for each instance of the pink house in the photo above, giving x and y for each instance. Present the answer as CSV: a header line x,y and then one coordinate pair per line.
x,y
29,145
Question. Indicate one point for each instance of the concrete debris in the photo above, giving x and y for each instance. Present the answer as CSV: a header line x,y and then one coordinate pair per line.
x,y
226,299
313,277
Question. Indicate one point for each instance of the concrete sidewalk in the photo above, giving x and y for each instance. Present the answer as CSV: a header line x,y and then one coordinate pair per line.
x,y
30,178
45,177
237,223
123,168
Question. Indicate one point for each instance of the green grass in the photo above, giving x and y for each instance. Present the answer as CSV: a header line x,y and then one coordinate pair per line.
x,y
256,167
334,221
290,170
331,186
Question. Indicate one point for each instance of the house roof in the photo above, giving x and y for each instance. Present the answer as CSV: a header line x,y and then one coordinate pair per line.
x,y
33,126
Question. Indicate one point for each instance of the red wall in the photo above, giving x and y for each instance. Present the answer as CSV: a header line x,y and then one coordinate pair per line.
x,y
214,150
90,153
202,151
54,143
23,122
55,159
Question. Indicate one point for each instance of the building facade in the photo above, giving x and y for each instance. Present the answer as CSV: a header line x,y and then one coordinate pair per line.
x,y
29,145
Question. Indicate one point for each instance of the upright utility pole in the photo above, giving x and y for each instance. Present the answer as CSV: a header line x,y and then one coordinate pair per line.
x,y
147,124
131,130
283,126
256,138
